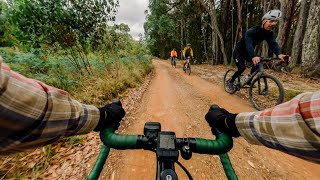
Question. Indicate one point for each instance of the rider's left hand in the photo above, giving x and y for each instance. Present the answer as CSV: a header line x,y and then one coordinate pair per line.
x,y
282,56
110,115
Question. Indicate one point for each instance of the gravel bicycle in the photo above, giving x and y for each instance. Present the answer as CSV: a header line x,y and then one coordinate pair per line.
x,y
187,67
265,90
167,147
173,62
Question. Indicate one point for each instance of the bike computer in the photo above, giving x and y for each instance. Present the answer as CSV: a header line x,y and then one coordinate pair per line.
x,y
167,146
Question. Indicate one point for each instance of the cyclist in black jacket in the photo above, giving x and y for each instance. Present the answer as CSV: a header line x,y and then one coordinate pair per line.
x,y
244,49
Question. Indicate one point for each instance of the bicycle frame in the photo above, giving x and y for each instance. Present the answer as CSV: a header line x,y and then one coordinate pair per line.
x,y
187,63
260,83
173,59
259,72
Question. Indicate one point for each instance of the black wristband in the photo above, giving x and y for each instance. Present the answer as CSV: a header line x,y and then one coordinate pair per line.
x,y
230,122
102,121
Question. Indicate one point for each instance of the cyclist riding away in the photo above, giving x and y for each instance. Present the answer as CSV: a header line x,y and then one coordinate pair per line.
x,y
187,54
244,49
173,55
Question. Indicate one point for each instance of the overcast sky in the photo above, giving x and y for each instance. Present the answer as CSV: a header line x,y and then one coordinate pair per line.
x,y
131,12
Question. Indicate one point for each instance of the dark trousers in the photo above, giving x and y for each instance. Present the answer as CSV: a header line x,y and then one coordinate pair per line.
x,y
240,60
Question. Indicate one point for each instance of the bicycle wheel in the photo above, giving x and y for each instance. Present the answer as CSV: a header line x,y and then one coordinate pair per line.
x,y
227,77
174,64
189,69
266,91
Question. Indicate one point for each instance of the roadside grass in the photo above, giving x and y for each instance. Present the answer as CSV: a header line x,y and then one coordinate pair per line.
x,y
111,78
291,93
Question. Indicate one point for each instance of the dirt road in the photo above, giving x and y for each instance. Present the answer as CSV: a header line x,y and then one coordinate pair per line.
x,y
179,102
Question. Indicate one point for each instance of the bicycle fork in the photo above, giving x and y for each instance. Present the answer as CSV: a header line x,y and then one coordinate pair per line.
x,y
265,90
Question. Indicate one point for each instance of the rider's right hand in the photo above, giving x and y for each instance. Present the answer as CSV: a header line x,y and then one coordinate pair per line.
x,y
256,60
222,120
110,116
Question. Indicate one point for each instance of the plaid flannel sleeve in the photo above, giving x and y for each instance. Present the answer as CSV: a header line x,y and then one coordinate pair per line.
x,y
292,127
33,114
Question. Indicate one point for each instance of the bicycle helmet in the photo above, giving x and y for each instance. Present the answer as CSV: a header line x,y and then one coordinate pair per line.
x,y
272,15
188,44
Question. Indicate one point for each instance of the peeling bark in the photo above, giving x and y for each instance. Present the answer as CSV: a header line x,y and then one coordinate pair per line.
x,y
311,42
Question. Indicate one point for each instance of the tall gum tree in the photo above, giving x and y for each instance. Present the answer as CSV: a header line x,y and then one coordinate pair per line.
x,y
311,42
210,7
299,33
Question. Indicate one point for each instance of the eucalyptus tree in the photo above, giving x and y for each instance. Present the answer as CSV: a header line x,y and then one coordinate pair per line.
x,y
72,24
299,34
211,9
159,28
311,42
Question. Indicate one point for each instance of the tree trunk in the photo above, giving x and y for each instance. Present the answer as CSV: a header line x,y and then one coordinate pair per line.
x,y
287,8
224,20
264,50
210,7
239,25
311,42
217,52
213,48
181,40
299,34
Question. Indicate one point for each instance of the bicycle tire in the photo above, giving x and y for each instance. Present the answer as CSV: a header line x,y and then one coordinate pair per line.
x,y
278,96
189,69
226,78
173,63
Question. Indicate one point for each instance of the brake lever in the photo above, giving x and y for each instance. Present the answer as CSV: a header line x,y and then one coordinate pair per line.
x,y
285,62
215,131
117,102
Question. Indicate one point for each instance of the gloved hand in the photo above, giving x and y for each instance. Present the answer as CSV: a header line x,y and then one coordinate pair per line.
x,y
110,116
222,120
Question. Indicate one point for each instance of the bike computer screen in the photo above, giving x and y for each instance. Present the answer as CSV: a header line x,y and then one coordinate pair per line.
x,y
167,141
167,146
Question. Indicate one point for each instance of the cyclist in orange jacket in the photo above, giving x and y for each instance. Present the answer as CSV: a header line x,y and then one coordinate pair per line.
x,y
173,55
